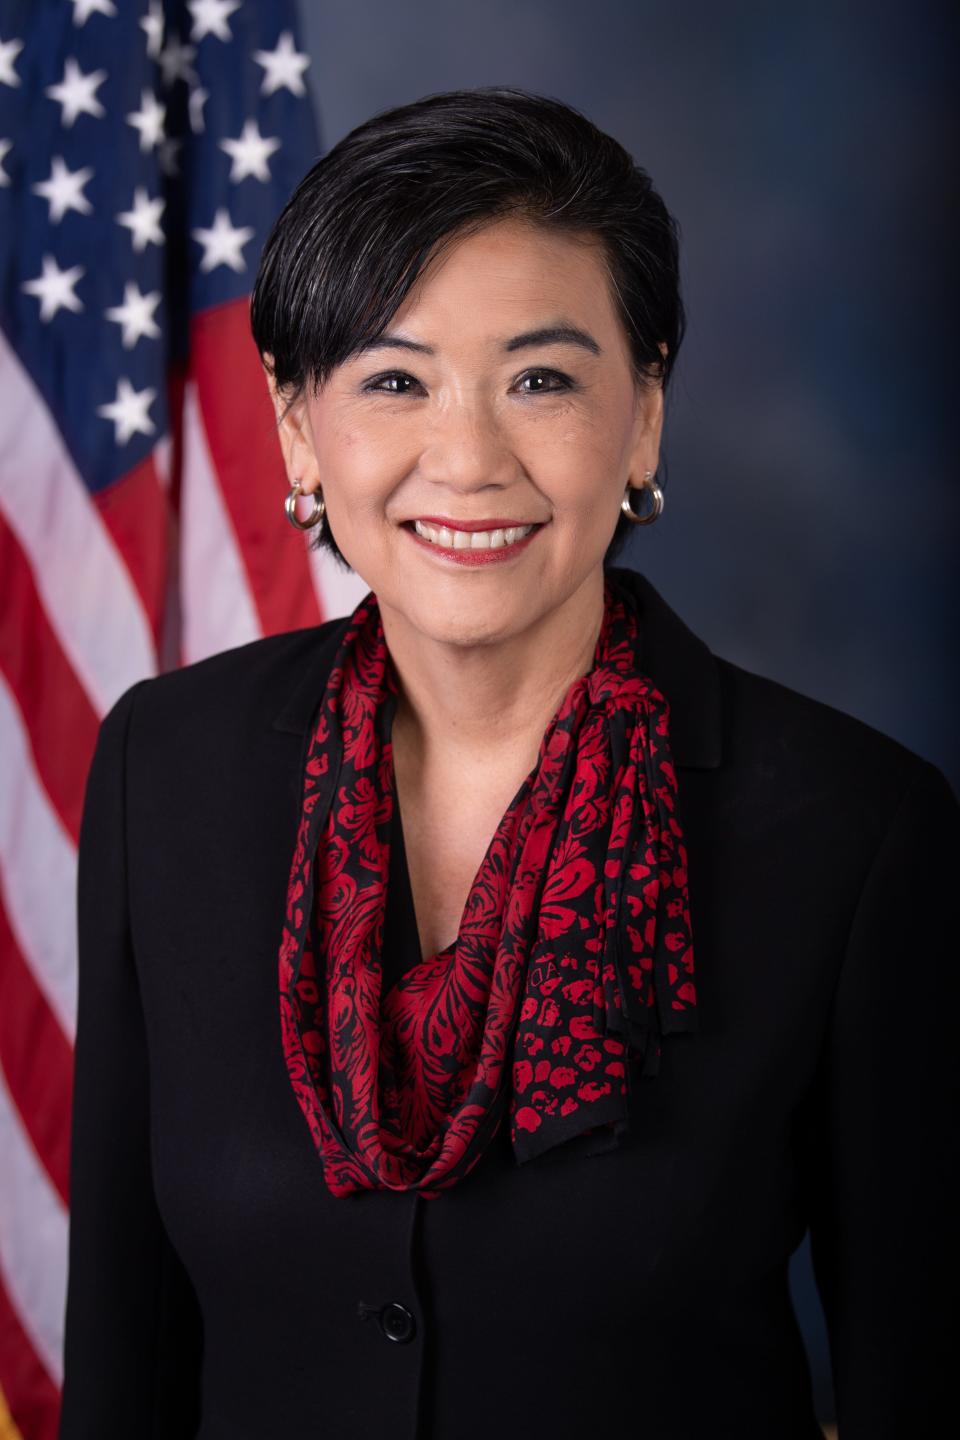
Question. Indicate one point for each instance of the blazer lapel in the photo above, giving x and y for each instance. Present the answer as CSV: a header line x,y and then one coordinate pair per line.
x,y
304,695
678,662
684,668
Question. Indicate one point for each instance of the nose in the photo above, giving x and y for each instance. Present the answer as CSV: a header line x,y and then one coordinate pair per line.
x,y
466,447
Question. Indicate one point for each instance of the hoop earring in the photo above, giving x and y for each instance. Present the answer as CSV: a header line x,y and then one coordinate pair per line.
x,y
648,484
316,514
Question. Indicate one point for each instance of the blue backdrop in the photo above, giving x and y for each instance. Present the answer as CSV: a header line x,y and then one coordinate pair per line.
x,y
809,531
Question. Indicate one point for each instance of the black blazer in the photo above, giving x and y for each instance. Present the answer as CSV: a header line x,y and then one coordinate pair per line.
x,y
217,1289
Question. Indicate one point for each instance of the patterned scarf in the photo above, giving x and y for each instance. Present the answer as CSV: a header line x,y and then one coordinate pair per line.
x,y
574,954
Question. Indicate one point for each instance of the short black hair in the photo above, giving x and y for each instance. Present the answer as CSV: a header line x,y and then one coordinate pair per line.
x,y
368,216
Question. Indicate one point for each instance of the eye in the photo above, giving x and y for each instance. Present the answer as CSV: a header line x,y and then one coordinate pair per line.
x,y
561,382
544,382
379,383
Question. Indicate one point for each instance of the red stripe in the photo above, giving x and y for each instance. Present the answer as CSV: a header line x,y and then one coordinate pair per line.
x,y
170,655
32,1397
136,512
241,433
36,1058
61,724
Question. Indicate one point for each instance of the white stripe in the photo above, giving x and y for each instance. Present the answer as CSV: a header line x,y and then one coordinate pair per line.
x,y
338,591
33,1240
38,871
163,461
218,610
89,596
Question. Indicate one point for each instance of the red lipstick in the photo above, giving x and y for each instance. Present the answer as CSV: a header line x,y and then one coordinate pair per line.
x,y
470,558
471,526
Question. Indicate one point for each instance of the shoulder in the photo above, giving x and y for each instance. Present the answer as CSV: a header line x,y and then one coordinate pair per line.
x,y
252,670
763,711
773,750
233,692
801,753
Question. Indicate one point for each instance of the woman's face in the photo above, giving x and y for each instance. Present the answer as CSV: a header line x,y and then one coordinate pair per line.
x,y
465,416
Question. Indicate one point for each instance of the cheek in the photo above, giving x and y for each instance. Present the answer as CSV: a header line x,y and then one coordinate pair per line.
x,y
588,435
359,465
345,445
579,468
348,436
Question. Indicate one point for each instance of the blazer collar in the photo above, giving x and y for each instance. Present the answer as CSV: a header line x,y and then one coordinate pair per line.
x,y
684,668
679,663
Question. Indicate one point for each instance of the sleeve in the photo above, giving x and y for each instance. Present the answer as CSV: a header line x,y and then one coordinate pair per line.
x,y
132,1334
883,1178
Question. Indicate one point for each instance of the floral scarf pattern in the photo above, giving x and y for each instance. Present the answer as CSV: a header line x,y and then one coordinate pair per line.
x,y
574,956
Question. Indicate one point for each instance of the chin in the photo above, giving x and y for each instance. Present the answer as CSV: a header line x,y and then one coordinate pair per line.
x,y
467,632
469,624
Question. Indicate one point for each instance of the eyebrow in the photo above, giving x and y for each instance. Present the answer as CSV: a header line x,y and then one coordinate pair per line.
x,y
560,334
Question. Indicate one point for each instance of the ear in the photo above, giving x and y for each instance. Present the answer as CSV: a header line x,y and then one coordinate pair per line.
x,y
293,431
647,429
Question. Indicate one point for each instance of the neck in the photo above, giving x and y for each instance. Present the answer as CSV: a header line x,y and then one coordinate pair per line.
x,y
479,704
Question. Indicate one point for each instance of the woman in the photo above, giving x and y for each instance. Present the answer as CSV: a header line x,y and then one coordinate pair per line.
x,y
480,994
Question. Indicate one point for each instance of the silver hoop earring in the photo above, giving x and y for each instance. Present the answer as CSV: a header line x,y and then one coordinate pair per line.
x,y
316,514
657,495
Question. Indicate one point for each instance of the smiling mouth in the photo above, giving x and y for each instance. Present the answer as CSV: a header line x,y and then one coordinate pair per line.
x,y
447,538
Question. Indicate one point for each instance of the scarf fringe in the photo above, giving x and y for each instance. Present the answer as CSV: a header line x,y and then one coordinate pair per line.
x,y
640,1017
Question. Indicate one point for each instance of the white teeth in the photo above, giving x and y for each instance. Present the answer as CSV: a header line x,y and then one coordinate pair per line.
x,y
471,539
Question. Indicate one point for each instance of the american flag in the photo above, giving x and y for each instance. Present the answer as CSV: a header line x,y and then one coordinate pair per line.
x,y
145,148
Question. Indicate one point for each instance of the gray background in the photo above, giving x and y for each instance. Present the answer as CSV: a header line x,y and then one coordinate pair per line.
x,y
809,530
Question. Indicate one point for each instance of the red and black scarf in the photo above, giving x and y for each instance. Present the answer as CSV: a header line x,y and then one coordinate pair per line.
x,y
575,950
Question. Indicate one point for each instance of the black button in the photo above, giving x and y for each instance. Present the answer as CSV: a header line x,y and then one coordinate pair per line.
x,y
396,1322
